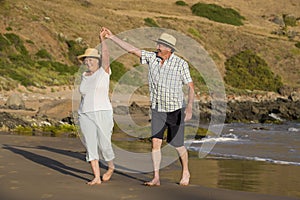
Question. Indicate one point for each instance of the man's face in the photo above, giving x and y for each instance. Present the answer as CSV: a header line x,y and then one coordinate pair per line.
x,y
163,50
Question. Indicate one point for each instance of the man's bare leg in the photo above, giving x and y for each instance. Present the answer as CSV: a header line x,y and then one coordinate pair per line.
x,y
110,171
183,154
156,159
96,171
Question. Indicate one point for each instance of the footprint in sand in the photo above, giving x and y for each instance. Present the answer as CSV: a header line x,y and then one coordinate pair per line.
x,y
14,181
46,196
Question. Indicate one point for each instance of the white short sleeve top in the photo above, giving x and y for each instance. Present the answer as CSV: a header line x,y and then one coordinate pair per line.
x,y
94,90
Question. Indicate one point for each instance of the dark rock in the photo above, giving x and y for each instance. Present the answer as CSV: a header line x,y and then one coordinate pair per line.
x,y
136,109
285,90
295,96
121,110
263,111
11,121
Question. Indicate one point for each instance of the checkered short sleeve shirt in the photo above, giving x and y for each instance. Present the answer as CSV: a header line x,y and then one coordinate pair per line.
x,y
166,81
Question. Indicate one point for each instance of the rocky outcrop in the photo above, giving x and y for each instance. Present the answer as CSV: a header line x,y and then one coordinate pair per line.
x,y
9,121
280,109
57,109
261,109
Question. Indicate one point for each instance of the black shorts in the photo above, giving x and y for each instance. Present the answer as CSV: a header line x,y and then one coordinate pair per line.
x,y
174,121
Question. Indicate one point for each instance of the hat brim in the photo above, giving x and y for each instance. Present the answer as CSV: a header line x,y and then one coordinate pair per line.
x,y
82,57
166,43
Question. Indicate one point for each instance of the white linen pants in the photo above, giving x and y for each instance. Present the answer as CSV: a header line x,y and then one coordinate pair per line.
x,y
96,128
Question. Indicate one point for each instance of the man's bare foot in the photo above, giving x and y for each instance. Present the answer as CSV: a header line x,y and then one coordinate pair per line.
x,y
108,174
154,182
185,180
95,181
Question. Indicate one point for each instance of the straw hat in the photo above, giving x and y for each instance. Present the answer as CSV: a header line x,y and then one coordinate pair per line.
x,y
168,40
89,52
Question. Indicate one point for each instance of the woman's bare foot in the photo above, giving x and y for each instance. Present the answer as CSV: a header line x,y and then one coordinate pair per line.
x,y
185,180
95,181
154,182
108,174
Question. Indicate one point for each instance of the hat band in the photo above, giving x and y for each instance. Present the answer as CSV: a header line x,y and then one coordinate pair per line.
x,y
166,42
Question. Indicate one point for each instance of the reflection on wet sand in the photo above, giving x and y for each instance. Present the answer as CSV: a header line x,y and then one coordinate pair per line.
x,y
252,176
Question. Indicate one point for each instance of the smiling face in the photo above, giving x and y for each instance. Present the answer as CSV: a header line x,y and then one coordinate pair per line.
x,y
91,63
163,51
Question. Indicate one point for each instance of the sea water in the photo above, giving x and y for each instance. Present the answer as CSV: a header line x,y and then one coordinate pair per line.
x,y
275,143
261,158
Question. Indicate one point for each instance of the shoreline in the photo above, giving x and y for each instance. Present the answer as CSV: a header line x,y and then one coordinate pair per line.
x,y
58,104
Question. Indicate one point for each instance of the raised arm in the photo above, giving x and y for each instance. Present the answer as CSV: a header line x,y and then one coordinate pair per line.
x,y
104,51
124,45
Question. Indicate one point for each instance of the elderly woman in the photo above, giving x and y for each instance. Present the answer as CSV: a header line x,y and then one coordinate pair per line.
x,y
95,110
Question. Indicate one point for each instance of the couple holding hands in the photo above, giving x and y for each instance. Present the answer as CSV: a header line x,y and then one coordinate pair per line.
x,y
168,73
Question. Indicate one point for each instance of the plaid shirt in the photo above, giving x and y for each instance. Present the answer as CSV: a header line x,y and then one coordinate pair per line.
x,y
166,81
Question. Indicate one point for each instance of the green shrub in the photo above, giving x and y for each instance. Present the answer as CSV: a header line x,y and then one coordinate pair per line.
x,y
181,3
75,49
20,60
58,67
29,41
8,28
118,70
21,130
218,13
4,43
246,70
289,20
297,45
22,78
194,32
150,22
197,78
17,42
43,53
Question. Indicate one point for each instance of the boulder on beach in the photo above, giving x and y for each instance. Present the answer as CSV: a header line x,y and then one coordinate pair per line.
x,y
15,102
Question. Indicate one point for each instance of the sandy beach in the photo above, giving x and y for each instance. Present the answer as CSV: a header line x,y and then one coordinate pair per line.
x,y
54,168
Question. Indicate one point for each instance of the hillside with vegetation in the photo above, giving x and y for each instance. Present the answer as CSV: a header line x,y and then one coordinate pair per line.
x,y
255,44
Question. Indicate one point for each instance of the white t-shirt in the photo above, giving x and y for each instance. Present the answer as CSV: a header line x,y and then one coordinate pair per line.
x,y
94,90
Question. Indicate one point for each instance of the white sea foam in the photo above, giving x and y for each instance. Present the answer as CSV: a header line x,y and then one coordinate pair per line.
x,y
240,157
223,138
292,129
273,115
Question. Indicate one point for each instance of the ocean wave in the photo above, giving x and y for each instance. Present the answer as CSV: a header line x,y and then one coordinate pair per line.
x,y
240,157
224,138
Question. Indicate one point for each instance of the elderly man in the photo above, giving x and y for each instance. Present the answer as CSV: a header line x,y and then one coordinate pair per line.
x,y
167,75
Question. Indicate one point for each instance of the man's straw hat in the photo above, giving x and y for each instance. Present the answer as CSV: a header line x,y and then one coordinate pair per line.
x,y
168,40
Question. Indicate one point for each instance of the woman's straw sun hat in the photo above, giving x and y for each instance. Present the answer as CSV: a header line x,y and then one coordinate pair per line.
x,y
89,52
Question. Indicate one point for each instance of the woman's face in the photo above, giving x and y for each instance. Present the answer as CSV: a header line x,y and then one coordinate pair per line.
x,y
91,63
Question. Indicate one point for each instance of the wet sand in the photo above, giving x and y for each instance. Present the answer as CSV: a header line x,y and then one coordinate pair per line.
x,y
54,168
